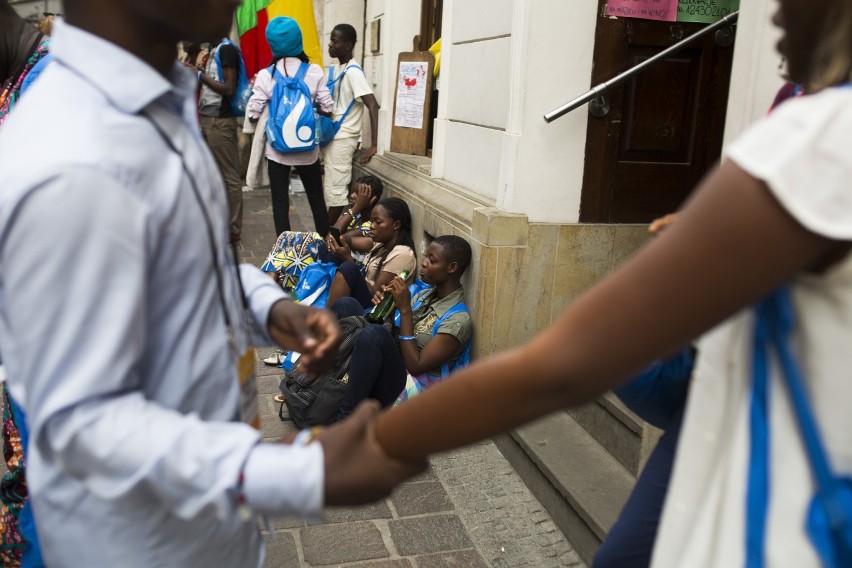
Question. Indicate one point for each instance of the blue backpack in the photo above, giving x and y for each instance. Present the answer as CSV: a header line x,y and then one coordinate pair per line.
x,y
243,93
328,127
292,124
315,284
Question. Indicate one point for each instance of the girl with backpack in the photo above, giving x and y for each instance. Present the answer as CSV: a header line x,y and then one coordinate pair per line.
x,y
285,41
393,253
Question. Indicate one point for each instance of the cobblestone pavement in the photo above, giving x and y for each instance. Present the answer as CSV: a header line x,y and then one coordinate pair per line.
x,y
470,509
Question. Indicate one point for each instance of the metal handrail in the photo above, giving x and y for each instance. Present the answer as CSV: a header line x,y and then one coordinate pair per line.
x,y
598,90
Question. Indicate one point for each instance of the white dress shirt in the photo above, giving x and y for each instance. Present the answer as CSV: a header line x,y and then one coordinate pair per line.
x,y
112,328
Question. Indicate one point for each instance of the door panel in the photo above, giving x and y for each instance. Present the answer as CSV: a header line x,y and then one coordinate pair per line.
x,y
665,126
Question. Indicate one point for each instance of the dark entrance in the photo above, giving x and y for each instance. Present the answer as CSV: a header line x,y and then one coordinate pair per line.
x,y
665,126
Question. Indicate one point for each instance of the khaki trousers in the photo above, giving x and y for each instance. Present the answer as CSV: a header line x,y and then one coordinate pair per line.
x,y
222,139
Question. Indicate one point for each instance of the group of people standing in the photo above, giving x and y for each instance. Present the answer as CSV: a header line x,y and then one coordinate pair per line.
x,y
342,93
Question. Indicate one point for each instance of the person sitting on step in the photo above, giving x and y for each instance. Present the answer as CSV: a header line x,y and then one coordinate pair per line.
x,y
392,253
434,331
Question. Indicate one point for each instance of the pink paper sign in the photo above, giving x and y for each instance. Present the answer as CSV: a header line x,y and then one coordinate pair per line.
x,y
664,10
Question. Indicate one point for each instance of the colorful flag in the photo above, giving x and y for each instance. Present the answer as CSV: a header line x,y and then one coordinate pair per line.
x,y
254,15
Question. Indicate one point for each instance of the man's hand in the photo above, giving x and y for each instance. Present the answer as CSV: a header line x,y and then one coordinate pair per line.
x,y
357,470
367,154
311,332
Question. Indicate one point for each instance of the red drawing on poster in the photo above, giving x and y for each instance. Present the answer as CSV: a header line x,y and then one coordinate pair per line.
x,y
664,10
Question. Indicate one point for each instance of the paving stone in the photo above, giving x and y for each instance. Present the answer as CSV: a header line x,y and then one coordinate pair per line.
x,y
280,550
420,499
270,424
461,559
261,369
426,535
342,542
396,563
268,384
284,523
428,475
370,512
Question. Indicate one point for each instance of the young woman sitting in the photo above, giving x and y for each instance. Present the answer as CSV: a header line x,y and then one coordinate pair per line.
x,y
355,224
392,253
295,250
434,330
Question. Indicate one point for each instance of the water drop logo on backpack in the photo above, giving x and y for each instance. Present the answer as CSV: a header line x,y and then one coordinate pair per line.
x,y
294,135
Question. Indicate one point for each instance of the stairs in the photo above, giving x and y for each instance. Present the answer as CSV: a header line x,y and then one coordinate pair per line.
x,y
581,465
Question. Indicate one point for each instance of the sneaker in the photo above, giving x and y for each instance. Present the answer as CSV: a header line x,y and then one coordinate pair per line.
x,y
275,359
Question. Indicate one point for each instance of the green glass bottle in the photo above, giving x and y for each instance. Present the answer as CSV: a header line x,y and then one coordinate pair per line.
x,y
383,309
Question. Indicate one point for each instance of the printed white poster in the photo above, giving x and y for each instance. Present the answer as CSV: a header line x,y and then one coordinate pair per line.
x,y
411,94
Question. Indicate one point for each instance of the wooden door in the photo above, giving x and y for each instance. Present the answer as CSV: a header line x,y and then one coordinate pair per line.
x,y
665,126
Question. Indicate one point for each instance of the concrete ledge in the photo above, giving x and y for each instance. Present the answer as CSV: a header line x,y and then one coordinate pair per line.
x,y
454,203
493,227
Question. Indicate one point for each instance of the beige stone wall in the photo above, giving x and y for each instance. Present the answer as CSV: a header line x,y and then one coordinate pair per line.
x,y
523,288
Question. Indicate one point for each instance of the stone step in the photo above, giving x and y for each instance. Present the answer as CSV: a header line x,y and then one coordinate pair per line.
x,y
578,481
616,429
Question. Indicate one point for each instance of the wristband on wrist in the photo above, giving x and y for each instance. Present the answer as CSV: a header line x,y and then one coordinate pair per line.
x,y
353,215
306,436
199,74
407,338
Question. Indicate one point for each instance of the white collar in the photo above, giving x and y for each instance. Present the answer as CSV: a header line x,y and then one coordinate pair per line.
x,y
127,81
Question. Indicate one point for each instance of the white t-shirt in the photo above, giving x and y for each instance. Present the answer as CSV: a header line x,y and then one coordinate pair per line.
x,y
353,85
803,152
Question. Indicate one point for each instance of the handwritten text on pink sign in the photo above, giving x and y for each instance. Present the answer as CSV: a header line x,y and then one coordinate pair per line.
x,y
665,10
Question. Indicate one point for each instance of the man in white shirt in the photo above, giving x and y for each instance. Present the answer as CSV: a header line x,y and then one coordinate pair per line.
x,y
351,92
137,456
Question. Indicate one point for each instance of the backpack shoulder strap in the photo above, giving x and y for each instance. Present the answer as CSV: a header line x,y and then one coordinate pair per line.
x,y
303,70
460,307
464,356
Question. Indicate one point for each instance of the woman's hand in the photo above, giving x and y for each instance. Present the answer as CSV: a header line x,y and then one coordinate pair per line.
x,y
363,198
401,295
342,252
659,224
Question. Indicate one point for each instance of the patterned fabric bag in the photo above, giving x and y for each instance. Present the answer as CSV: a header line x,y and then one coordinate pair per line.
x,y
292,253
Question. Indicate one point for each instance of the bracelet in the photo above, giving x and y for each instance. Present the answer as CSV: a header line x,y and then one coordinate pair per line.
x,y
407,338
199,74
353,215
306,436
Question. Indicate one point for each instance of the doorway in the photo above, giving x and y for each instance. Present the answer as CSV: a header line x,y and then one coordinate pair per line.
x,y
665,126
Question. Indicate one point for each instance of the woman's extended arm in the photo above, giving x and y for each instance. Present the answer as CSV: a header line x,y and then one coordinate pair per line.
x,y
732,244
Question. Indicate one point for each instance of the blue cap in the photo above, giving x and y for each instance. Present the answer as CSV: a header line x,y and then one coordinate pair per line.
x,y
284,37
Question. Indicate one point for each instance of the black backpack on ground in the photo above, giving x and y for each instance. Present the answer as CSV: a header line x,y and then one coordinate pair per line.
x,y
316,402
